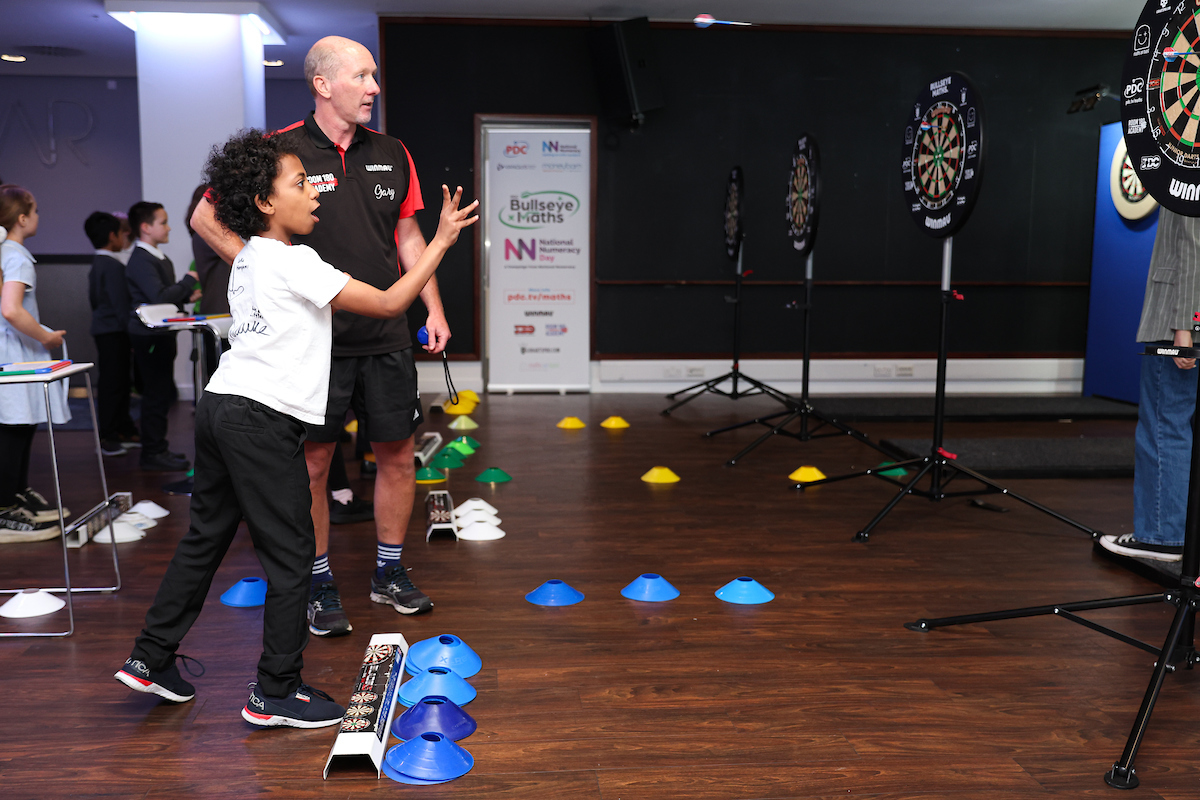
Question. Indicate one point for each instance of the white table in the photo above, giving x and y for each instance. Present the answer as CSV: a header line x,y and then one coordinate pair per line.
x,y
104,507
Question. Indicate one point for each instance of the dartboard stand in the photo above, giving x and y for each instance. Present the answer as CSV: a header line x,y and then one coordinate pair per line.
x,y
735,375
799,409
940,465
1179,649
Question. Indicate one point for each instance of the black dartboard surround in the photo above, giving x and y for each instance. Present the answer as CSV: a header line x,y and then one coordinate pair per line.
x,y
733,213
804,194
1160,103
943,154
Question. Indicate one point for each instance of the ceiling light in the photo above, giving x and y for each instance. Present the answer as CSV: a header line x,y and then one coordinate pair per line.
x,y
124,11
14,59
275,63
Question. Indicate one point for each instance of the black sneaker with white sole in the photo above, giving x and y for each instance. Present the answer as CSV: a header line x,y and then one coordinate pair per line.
x,y
166,683
398,591
356,510
39,508
1127,545
17,527
325,614
304,708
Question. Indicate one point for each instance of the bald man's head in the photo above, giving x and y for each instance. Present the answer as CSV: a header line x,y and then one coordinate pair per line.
x,y
341,77
329,56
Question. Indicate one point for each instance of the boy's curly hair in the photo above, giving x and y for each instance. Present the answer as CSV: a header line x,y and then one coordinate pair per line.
x,y
241,170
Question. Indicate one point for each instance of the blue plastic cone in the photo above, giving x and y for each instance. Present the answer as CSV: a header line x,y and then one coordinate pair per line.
x,y
650,588
554,593
246,593
745,591
437,714
429,758
436,681
443,651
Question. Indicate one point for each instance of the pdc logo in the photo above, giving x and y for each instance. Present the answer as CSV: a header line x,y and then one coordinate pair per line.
x,y
516,149
556,330
523,330
1151,162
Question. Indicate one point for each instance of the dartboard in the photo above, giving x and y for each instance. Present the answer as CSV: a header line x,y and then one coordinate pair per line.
x,y
1129,195
1160,101
733,213
377,653
943,154
804,194
353,725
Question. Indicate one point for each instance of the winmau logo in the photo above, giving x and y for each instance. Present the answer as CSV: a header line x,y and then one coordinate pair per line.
x,y
1185,191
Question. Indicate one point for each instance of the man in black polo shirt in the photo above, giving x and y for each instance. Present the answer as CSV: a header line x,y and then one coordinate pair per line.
x,y
369,193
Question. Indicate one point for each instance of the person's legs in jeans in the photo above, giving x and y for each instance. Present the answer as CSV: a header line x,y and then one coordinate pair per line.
x,y
1163,444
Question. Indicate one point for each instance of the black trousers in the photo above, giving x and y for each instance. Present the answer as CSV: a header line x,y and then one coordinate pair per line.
x,y
15,443
155,357
249,465
112,396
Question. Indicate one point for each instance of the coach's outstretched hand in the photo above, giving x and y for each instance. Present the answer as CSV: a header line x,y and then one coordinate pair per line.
x,y
454,219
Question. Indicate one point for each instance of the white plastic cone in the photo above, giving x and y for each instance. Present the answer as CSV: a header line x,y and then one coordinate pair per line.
x,y
122,531
481,532
471,517
31,603
476,504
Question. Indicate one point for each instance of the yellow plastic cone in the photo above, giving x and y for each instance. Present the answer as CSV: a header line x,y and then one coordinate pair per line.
x,y
614,422
660,475
463,406
807,475
464,423
467,394
571,423
352,426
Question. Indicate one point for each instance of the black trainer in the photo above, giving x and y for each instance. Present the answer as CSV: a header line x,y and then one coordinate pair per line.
x,y
325,614
304,708
398,591
40,509
1127,545
17,527
111,447
166,683
357,510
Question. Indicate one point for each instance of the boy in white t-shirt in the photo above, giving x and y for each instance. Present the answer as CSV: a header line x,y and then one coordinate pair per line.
x,y
249,432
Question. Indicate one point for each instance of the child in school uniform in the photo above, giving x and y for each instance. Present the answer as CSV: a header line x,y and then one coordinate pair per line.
x,y
249,433
108,294
25,514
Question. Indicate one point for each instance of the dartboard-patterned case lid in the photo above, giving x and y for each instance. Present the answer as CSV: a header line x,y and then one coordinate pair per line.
x,y
1160,103
942,157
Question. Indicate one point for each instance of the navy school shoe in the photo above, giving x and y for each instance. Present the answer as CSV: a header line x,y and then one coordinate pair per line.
x,y
304,708
166,683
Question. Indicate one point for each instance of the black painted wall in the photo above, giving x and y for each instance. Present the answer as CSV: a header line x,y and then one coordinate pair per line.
x,y
741,97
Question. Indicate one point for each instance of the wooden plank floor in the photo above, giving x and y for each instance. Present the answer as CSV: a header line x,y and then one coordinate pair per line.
x,y
819,694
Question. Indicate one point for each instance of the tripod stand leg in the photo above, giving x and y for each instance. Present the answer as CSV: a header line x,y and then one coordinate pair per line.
x,y
1095,534
764,437
1122,775
865,533
756,421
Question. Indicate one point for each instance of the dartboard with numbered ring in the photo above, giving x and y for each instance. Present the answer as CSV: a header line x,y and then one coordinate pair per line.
x,y
804,194
942,157
733,213
1160,103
